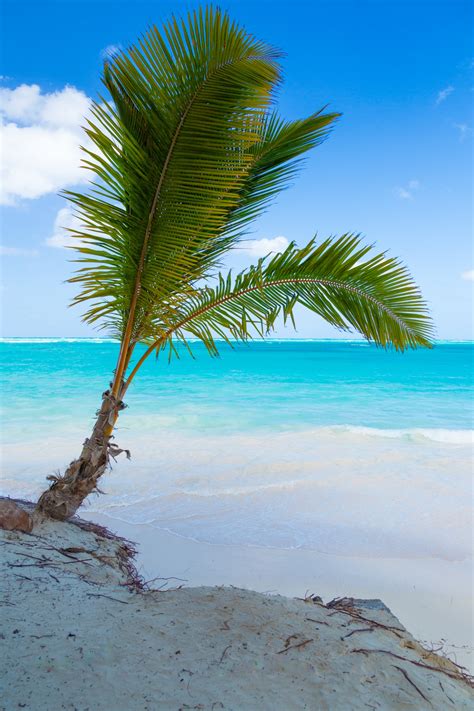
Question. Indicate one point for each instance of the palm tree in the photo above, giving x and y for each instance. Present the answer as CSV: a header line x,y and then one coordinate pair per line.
x,y
188,150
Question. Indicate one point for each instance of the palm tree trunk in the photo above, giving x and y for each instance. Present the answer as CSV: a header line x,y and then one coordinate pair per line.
x,y
67,492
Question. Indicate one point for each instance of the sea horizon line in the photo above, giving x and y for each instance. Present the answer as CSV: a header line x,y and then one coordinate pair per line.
x,y
276,339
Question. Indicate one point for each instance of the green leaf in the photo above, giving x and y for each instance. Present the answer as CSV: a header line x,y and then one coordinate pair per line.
x,y
340,279
172,155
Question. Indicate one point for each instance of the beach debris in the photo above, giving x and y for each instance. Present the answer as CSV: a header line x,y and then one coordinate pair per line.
x,y
115,599
311,598
457,671
405,674
13,517
289,646
224,653
364,629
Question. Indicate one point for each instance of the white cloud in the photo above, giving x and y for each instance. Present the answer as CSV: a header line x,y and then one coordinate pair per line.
x,y
40,135
61,238
468,276
37,161
17,252
262,247
406,192
463,129
20,103
403,193
27,105
443,94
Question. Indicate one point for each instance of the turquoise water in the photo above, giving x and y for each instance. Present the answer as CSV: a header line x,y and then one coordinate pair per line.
x,y
277,384
323,444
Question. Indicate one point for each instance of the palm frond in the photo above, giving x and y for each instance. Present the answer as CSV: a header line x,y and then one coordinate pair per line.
x,y
171,157
341,279
277,157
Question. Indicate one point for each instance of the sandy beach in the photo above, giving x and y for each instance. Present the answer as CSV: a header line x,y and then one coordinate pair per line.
x,y
431,597
81,631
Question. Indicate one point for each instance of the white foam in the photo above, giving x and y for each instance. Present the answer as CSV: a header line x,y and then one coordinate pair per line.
x,y
340,489
434,435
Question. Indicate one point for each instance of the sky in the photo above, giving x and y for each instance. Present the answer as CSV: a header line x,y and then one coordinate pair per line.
x,y
397,167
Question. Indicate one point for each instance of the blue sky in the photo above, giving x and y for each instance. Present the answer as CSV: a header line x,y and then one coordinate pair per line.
x,y
397,167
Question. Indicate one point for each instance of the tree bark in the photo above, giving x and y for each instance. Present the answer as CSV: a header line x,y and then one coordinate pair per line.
x,y
67,492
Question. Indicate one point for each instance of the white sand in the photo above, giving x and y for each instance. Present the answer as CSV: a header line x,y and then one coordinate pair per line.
x,y
431,596
76,635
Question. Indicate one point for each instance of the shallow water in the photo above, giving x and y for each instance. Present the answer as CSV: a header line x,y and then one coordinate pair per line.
x,y
335,446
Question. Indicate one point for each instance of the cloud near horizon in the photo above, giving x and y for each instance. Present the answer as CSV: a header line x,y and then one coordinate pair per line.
x,y
468,276
40,135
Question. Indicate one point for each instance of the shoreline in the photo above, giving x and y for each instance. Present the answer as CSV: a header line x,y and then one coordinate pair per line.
x,y
431,597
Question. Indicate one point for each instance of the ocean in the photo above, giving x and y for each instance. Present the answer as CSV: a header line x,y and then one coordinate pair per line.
x,y
330,445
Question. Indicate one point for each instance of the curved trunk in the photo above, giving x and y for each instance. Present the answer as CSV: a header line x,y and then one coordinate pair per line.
x,y
67,492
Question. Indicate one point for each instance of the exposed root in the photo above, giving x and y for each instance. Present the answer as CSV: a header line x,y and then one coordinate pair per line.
x,y
127,553
125,557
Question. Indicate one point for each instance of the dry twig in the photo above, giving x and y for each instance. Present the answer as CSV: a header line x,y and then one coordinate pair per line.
x,y
460,675
295,646
405,674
